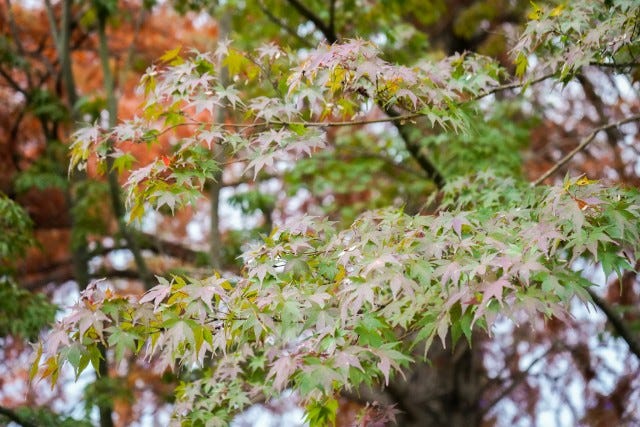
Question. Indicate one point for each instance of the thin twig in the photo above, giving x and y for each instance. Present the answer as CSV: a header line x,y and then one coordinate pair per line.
x,y
614,64
16,38
328,33
513,85
583,144
280,23
13,83
517,380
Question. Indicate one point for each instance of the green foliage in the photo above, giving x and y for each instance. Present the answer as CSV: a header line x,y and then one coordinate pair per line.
x,y
22,313
15,231
45,104
322,413
340,319
318,307
90,106
495,141
44,417
574,34
48,171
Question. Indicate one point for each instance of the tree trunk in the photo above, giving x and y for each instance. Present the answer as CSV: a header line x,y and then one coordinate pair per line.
x,y
446,392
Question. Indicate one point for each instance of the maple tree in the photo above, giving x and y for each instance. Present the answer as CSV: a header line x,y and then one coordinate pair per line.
x,y
391,270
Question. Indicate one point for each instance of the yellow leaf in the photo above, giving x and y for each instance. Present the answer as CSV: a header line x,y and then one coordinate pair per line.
x,y
557,10
586,181
170,55
35,365
521,64
341,274
337,79
536,13
235,62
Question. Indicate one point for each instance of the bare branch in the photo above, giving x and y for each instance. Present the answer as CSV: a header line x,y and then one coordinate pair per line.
x,y
326,30
583,144
280,23
617,322
517,380
156,245
14,85
16,37
55,35
615,64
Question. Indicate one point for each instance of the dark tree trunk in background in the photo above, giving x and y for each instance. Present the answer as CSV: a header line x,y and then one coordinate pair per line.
x,y
445,392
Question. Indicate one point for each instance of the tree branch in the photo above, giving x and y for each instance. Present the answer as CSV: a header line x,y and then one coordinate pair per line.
x,y
114,186
154,244
280,23
614,64
617,322
166,247
332,16
11,415
581,146
64,271
16,38
55,35
326,30
215,184
14,85
516,380
417,151
613,134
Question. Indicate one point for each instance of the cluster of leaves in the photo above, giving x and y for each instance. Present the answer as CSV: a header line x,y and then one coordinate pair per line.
x,y
48,171
572,35
16,233
22,313
367,168
319,310
494,142
338,82
43,417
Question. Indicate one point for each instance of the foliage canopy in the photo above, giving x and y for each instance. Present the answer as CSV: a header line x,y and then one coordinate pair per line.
x,y
318,308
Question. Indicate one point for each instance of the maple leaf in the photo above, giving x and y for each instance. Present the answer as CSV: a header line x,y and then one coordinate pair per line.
x,y
230,94
281,371
140,174
449,272
495,289
457,222
270,50
211,134
389,358
205,102
156,294
59,337
262,161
